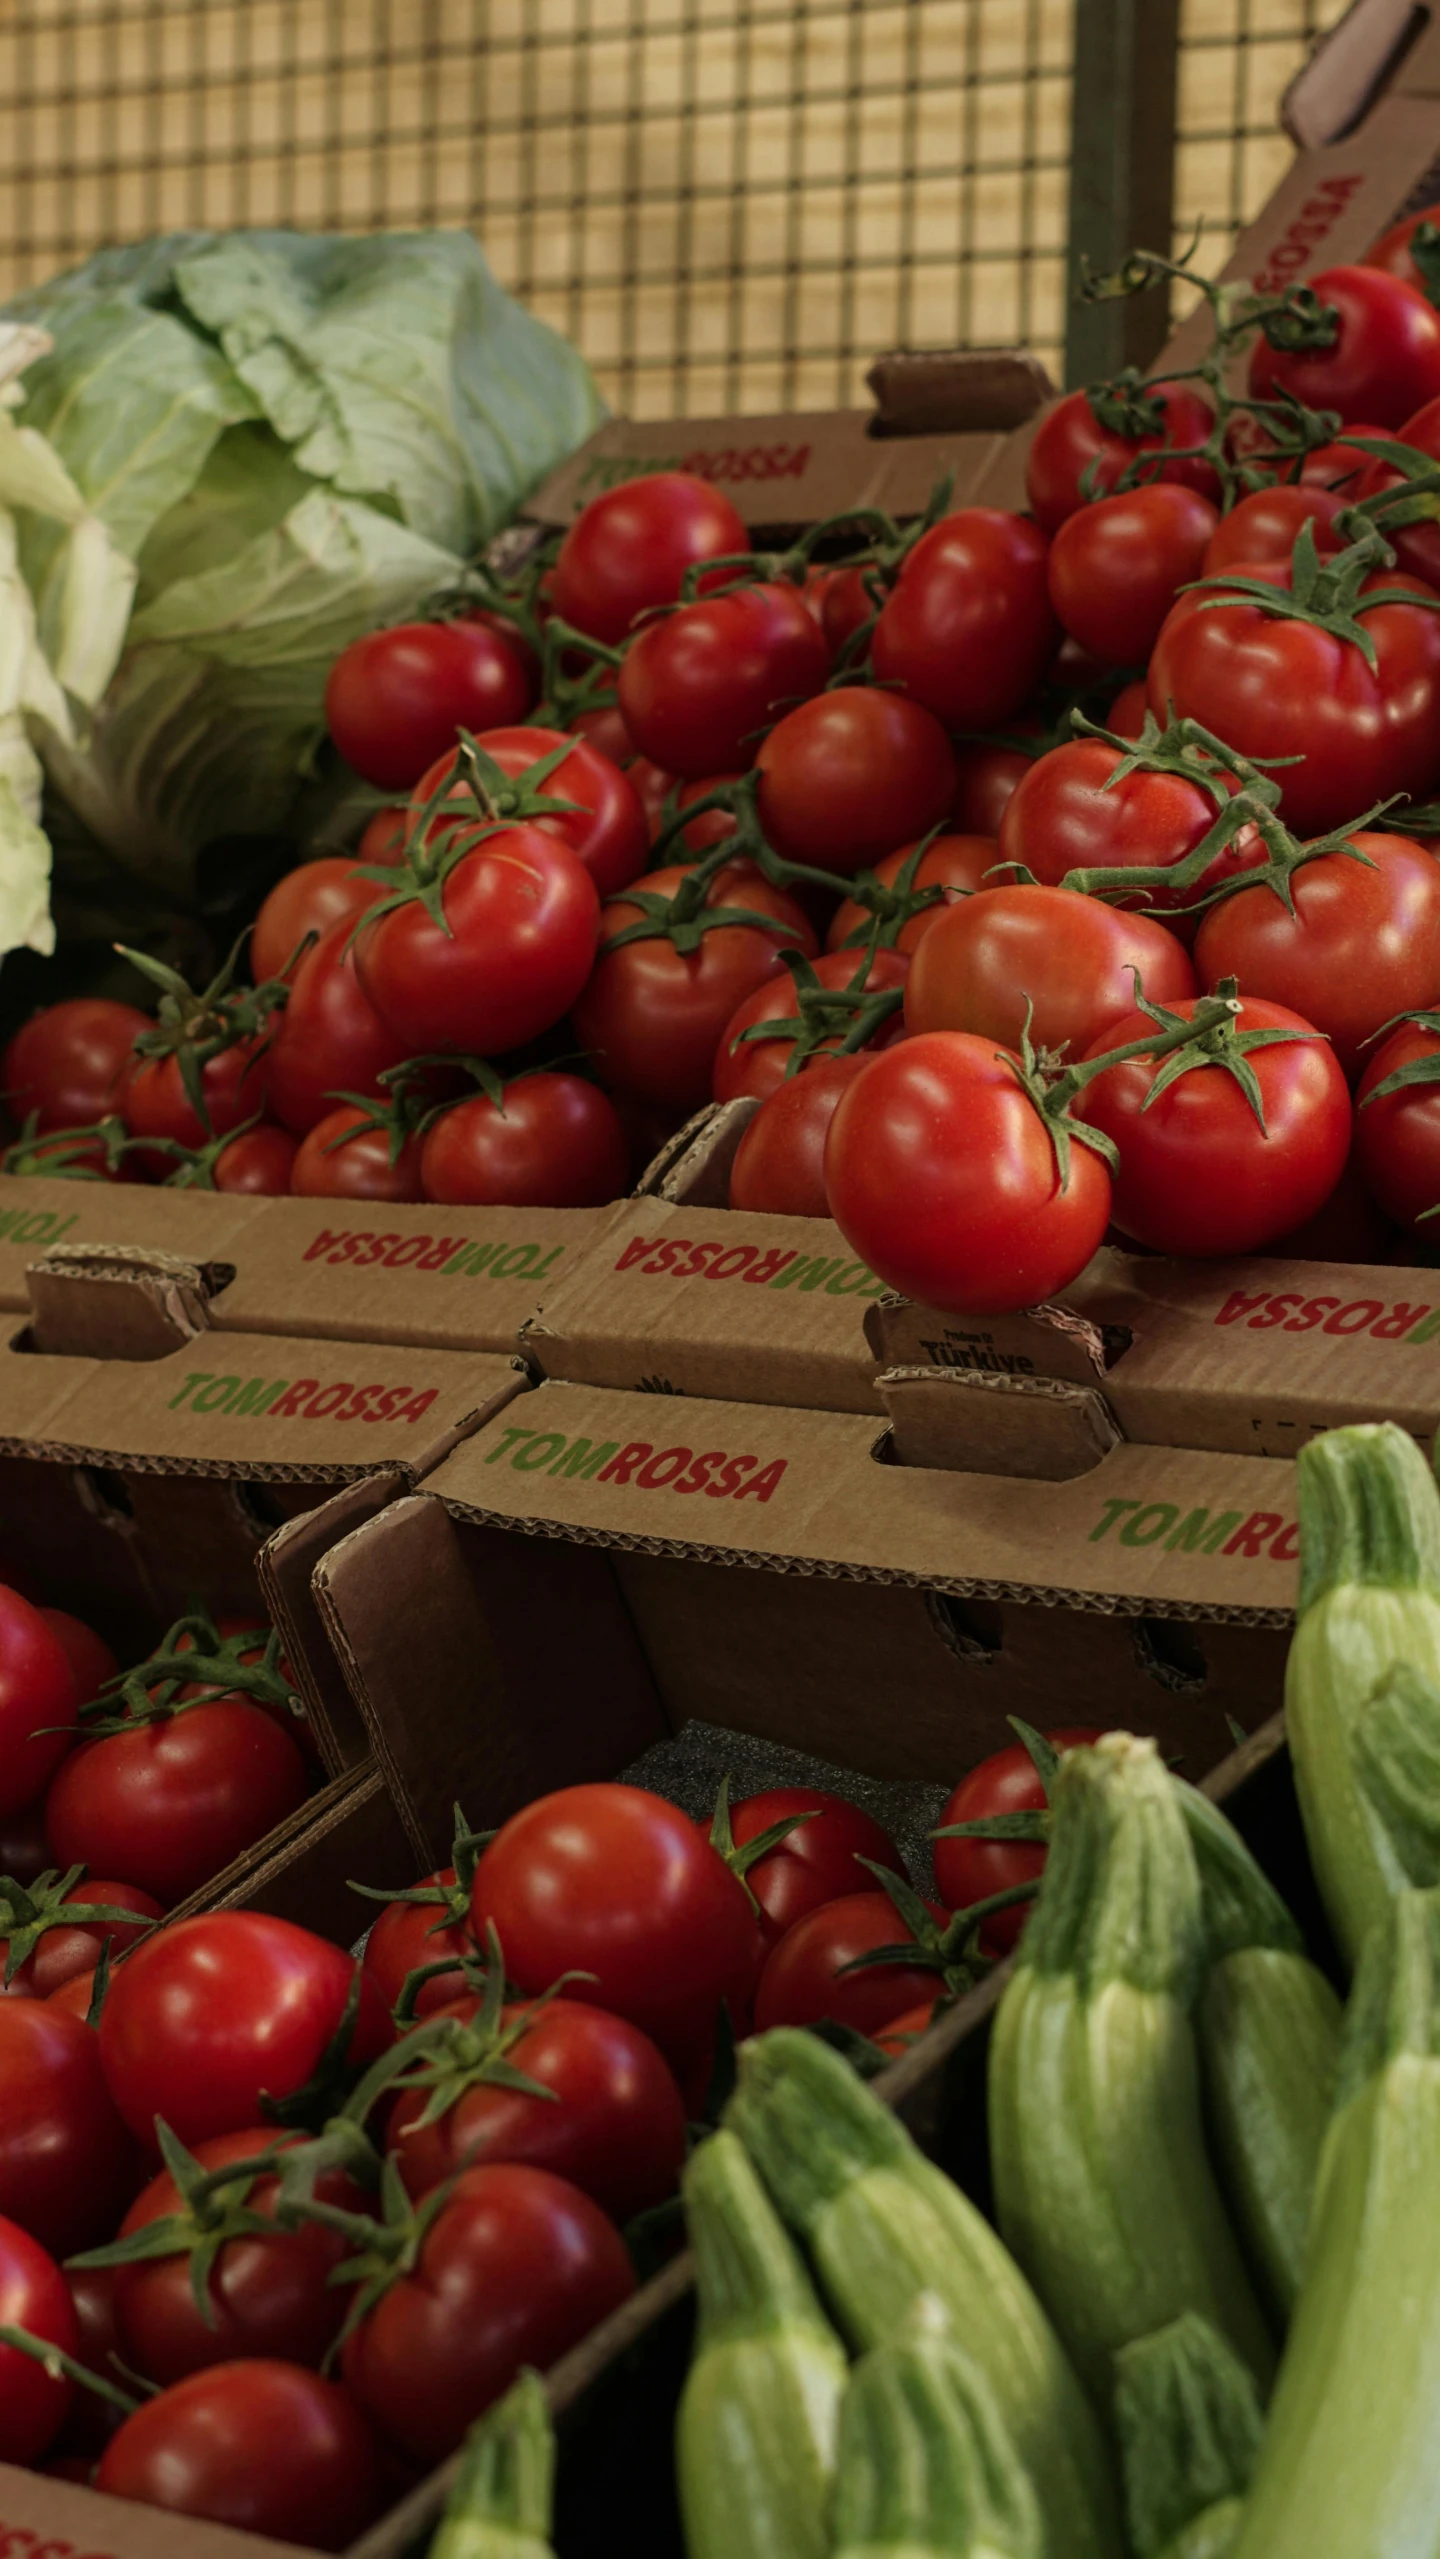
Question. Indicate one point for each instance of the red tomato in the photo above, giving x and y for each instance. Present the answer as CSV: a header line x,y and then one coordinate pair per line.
x,y
845,602
969,630
615,2125
210,2015
64,1951
68,1062
346,1157
1417,546
383,837
310,900
971,1870
804,1981
75,1996
759,1066
617,1882
330,1039
408,1934
852,774
955,864
1126,715
988,773
33,2295
604,825
1116,567
699,687
154,1102
1072,958
942,1177
651,1016
515,2268
902,2032
37,1691
92,2420
779,1167
817,1863
66,2166
1197,1173
265,2447
1392,250
257,1163
629,549
653,788
1397,1137
1272,686
1263,526
266,2291
516,946
1362,945
396,698
1071,443
172,1802
557,1143
1071,813
88,1654
1383,363
604,726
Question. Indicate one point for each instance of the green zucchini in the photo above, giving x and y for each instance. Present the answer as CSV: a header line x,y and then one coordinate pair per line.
x,y
500,2505
883,2225
1212,2535
1268,2025
927,2469
759,2416
1365,1662
1188,2420
1350,2463
1103,2186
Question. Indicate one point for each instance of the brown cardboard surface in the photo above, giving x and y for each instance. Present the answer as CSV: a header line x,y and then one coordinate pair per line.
x,y
1379,47
1043,1427
43,2518
676,1298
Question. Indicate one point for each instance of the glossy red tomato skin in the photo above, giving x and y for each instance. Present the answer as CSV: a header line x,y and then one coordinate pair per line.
x,y
759,1066
1072,956
969,629
268,2295
1397,1139
1071,813
256,1164
1126,715
37,1690
699,687
1263,526
847,777
604,826
956,864
1392,250
33,2295
557,1144
1070,441
515,2269
941,1177
617,1882
212,2014
1273,687
1384,363
346,1157
396,698
91,1660
154,1102
1115,568
804,1983
1417,546
1362,945
629,549
63,1953
817,1863
308,900
615,2128
1197,1174
383,837
68,1062
408,1934
902,2032
604,726
988,773
970,1870
171,1803
779,1167
651,1016
265,2446
520,921
66,2165
330,1039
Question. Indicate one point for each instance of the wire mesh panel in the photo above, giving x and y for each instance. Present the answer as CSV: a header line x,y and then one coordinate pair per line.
x,y
1236,57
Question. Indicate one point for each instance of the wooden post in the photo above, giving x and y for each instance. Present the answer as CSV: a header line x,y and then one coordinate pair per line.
x,y
1122,174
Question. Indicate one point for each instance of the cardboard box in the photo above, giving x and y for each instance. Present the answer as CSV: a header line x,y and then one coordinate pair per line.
x,y
1379,48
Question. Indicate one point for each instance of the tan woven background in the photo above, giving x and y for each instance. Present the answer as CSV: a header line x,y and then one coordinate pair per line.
x,y
729,203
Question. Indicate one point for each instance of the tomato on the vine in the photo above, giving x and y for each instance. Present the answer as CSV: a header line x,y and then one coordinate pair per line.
x,y
264,2446
954,864
512,952
330,1038
395,698
39,1708
34,2403
1381,361
969,629
1263,525
805,1981
68,1062
972,1870
817,1861
1392,250
627,551
1397,1135
70,1948
988,772
847,777
779,1166
155,1104
349,1156
1071,959
256,1163
1077,810
1075,457
1416,546
555,1141
602,822
760,1066
172,1802
700,686
67,2166
308,900
1115,568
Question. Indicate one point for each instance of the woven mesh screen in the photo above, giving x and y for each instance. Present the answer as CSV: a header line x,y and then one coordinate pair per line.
x,y
729,203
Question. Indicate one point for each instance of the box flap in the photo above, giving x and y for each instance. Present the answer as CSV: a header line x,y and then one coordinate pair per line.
x,y
932,393
694,1169
988,1425
44,2518
1147,1530
115,1301
36,1215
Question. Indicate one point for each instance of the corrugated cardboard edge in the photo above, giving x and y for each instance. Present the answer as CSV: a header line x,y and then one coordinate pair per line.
x,y
1351,68
1046,1427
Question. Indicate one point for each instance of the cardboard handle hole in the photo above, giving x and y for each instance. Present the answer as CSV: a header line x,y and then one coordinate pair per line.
x,y
1169,1652
973,1630
259,1507
105,1495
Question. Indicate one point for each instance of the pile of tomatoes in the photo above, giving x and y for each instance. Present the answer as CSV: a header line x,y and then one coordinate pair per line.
x,y
303,2217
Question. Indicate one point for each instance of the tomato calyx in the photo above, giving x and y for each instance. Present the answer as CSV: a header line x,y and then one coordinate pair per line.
x,y
840,1020
69,1154
214,2209
471,803
195,1026
150,1693
683,917
1195,755
1125,405
195,1165
1052,1087
876,543
332,2079
740,1860
448,2056
451,1901
951,1952
1300,324
387,2243
1223,1045
28,1911
891,904
1424,1069
1326,594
